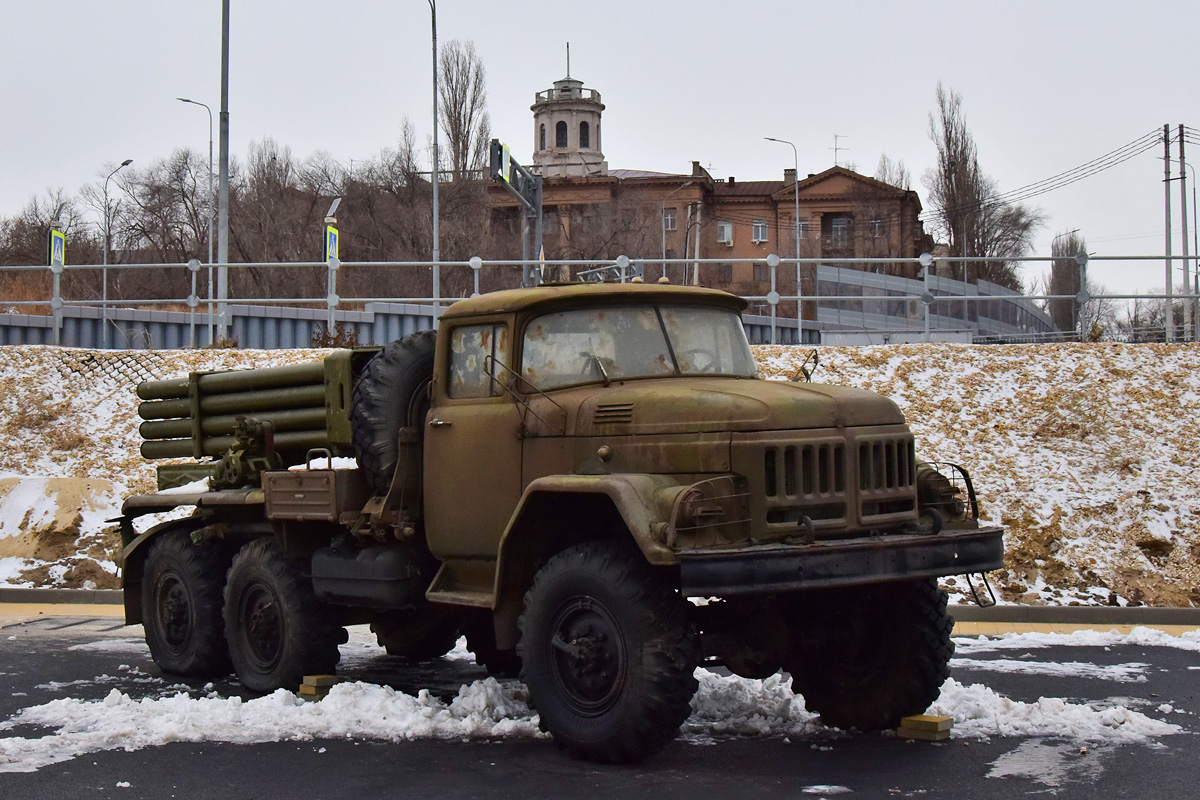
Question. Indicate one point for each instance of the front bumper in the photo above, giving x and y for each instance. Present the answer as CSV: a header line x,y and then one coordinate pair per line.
x,y
847,562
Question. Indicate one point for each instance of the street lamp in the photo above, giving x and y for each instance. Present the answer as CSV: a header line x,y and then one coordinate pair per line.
x,y
663,219
210,170
796,224
436,254
104,270
211,332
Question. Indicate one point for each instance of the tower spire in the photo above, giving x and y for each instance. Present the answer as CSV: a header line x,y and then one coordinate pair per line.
x,y
568,59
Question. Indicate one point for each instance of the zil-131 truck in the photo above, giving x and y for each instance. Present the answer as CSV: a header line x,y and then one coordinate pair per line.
x,y
591,483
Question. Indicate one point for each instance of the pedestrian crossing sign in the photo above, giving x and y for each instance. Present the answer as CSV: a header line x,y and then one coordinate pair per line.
x,y
58,248
331,242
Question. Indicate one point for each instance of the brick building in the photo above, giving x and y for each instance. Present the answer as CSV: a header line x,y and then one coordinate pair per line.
x,y
592,212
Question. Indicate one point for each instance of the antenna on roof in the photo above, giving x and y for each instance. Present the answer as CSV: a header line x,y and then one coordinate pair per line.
x,y
568,59
838,147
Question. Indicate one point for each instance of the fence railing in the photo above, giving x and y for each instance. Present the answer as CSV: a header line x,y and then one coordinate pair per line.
x,y
850,300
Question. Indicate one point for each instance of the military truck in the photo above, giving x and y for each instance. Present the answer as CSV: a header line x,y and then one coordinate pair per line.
x,y
591,483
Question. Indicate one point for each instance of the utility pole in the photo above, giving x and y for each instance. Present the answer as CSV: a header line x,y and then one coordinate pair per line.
x,y
223,191
1188,329
1169,311
437,267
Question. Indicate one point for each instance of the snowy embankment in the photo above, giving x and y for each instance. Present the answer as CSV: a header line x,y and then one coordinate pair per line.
x,y
1085,452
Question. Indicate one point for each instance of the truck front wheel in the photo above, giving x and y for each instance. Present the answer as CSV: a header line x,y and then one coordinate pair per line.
x,y
866,657
182,596
278,630
607,653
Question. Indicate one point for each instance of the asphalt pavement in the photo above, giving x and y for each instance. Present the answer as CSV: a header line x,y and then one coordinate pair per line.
x,y
39,665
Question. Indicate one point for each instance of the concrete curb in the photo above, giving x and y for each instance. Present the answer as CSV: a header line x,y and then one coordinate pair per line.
x,y
1078,615
87,596
1071,615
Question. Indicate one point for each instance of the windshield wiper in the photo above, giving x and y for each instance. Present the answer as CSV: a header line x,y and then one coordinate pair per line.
x,y
599,362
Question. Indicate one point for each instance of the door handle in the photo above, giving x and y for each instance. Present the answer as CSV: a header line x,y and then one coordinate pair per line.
x,y
439,423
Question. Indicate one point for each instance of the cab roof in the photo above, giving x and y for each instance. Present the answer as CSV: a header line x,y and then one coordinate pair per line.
x,y
583,295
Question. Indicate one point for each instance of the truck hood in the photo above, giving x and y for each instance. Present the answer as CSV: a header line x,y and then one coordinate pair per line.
x,y
701,405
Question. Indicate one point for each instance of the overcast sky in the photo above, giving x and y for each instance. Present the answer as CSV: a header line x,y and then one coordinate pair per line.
x,y
1046,87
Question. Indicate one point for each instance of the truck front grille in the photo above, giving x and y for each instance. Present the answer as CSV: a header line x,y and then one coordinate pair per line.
x,y
805,480
828,484
887,475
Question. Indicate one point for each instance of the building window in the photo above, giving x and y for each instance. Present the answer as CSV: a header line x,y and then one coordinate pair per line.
x,y
725,274
840,232
542,138
759,234
762,273
803,230
725,232
585,138
560,134
878,228
668,219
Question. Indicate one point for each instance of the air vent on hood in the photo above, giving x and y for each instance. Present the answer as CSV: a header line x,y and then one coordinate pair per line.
x,y
613,414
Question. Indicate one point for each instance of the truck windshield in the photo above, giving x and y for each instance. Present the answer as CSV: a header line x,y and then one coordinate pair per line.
x,y
609,344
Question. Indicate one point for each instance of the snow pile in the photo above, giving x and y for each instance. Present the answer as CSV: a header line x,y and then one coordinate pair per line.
x,y
1086,452
980,712
484,709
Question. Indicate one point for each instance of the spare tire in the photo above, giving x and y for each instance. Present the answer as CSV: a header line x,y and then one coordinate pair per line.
x,y
390,394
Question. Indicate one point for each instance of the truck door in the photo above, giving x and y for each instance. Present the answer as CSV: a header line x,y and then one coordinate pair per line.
x,y
472,450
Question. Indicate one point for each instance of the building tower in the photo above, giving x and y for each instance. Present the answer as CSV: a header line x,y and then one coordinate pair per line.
x,y
566,131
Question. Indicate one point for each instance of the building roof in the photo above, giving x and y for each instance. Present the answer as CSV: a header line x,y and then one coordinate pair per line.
x,y
747,188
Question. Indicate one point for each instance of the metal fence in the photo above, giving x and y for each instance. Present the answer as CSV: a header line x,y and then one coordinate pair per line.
x,y
854,302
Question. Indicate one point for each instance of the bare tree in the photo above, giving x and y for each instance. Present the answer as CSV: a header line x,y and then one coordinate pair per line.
x,y
893,173
968,210
462,90
1065,280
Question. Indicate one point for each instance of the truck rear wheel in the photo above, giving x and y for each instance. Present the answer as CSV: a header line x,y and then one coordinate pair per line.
x,y
182,597
278,630
868,657
607,653
389,395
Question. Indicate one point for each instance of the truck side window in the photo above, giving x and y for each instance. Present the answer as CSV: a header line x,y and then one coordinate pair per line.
x,y
472,374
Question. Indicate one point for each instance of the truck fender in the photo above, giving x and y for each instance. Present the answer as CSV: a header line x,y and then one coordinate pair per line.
x,y
132,558
560,510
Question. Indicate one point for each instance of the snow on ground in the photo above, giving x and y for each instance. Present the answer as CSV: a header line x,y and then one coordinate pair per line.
x,y
1086,452
724,707
69,452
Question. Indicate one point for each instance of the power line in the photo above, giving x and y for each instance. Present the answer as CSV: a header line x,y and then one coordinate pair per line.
x,y
1086,170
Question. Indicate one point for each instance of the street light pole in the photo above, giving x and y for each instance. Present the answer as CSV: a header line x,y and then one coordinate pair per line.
x,y
796,225
663,220
104,270
223,190
211,337
437,283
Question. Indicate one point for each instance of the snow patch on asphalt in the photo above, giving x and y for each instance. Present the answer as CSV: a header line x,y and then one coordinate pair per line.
x,y
1125,673
724,706
1145,637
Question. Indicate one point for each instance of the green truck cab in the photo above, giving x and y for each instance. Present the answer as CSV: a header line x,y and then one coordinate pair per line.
x,y
589,482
